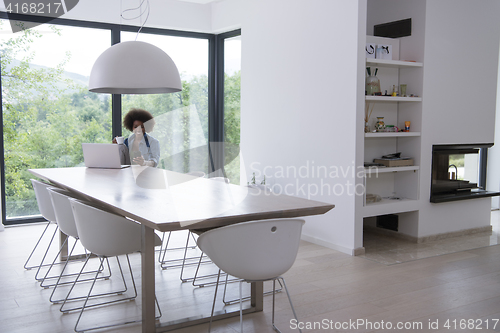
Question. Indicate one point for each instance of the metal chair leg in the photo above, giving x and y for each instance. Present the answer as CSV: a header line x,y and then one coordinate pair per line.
x,y
61,275
241,307
160,258
201,285
46,277
68,298
184,259
36,245
58,283
73,285
246,298
213,304
110,302
45,255
175,263
274,302
289,300
86,300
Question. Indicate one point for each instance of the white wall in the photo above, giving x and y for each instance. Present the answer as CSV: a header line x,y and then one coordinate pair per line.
x,y
459,98
299,93
493,173
360,124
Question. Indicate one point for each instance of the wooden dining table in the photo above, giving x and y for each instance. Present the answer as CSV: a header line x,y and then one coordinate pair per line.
x,y
167,201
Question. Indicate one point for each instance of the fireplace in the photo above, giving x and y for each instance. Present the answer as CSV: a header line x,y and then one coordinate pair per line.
x,y
459,172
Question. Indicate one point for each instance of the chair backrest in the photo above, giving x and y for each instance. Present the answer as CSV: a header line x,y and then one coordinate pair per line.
x,y
220,179
105,233
254,251
43,200
62,209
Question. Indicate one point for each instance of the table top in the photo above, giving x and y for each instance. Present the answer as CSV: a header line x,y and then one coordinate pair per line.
x,y
168,201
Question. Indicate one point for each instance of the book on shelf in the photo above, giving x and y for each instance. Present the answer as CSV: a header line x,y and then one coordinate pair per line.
x,y
394,162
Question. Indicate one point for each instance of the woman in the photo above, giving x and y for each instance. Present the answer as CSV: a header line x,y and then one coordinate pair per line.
x,y
143,148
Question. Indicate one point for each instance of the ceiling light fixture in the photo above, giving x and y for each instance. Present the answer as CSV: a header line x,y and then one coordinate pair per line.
x,y
134,67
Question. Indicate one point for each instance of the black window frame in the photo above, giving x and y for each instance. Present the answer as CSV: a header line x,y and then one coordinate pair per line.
x,y
216,119
215,84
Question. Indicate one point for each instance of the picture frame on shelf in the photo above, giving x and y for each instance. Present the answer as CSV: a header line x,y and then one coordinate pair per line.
x,y
384,51
370,50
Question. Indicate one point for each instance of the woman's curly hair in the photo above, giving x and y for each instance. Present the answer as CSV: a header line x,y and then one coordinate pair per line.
x,y
141,115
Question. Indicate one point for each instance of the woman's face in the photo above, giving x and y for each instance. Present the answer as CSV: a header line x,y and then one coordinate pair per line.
x,y
138,127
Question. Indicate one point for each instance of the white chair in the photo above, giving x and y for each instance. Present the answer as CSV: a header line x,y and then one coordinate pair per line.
x,y
254,251
106,235
66,222
45,208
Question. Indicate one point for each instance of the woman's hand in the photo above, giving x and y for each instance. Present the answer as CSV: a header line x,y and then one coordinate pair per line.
x,y
139,160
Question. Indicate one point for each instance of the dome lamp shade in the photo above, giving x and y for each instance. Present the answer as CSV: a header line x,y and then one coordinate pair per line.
x,y
134,67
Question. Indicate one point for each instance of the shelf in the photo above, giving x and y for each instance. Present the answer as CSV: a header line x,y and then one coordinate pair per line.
x,y
392,99
391,134
393,63
388,206
375,170
403,180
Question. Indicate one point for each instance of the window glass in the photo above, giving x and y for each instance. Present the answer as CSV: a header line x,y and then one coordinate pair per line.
x,y
464,167
47,109
181,118
232,76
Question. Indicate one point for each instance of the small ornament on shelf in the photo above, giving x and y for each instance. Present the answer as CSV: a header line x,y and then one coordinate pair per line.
x,y
407,126
380,125
402,88
394,91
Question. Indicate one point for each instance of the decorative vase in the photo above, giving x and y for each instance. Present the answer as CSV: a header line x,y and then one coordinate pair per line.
x,y
367,127
380,125
372,83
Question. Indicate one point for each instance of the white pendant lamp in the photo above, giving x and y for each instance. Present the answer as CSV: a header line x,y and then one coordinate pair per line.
x,y
134,68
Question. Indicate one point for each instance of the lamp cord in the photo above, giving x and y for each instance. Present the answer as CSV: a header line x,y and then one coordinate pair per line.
x,y
141,13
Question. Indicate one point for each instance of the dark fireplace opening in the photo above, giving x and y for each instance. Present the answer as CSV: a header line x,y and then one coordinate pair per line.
x,y
459,172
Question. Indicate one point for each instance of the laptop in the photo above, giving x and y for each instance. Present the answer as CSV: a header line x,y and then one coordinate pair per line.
x,y
102,155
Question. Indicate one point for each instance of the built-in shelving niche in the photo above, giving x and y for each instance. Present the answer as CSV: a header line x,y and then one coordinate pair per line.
x,y
406,223
398,187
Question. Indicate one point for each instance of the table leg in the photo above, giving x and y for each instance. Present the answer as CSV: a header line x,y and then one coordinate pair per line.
x,y
257,295
148,280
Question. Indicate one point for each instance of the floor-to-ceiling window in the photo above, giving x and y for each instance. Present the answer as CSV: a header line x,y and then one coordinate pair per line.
x,y
47,108
47,111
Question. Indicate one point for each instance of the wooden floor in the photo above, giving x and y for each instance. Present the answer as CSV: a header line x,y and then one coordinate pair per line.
x,y
326,286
